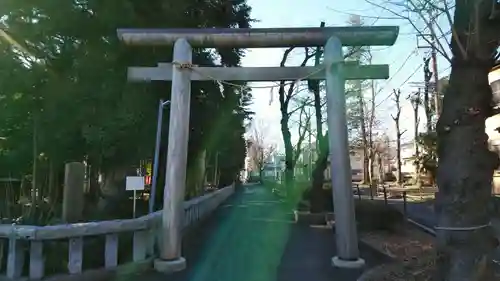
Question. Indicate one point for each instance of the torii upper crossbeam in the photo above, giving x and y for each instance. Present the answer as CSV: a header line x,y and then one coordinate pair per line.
x,y
263,37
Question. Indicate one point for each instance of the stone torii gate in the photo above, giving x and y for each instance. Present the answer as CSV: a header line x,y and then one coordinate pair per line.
x,y
181,72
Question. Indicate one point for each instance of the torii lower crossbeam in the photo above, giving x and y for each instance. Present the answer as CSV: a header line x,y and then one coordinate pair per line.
x,y
252,74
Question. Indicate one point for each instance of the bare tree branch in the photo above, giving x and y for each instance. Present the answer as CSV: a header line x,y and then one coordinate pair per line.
x,y
429,24
441,50
285,98
397,100
302,133
258,150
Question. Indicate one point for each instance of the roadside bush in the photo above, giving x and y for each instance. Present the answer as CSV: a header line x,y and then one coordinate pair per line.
x,y
327,202
374,215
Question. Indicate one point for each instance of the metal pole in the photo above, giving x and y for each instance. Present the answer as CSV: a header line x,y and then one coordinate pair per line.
x,y
135,204
156,160
345,221
170,259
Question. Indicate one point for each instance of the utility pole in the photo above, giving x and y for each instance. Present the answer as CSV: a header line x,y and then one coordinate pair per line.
x,y
415,102
434,62
427,106
355,20
428,74
156,164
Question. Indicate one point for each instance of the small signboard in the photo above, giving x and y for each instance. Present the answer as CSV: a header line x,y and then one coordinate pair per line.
x,y
134,183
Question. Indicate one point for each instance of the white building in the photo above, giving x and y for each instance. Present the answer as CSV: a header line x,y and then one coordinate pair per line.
x,y
493,123
408,158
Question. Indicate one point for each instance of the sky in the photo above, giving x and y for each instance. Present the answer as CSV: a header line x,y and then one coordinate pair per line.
x,y
404,58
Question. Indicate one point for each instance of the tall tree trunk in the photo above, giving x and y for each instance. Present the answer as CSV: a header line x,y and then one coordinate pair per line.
x,y
52,182
318,199
289,163
397,96
464,185
380,166
371,163
318,176
371,124
399,175
466,166
285,98
94,191
362,124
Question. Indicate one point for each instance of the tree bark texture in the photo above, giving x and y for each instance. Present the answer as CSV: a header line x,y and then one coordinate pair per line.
x,y
466,165
464,176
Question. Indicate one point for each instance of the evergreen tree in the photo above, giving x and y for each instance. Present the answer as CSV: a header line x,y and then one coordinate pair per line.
x,y
64,93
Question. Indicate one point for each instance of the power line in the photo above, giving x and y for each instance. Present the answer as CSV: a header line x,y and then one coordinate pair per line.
x,y
439,74
368,17
406,80
397,71
403,64
411,75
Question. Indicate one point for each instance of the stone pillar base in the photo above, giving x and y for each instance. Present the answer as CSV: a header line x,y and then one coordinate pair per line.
x,y
170,266
354,264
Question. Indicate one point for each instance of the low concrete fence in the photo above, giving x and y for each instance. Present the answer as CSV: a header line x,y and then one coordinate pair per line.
x,y
27,242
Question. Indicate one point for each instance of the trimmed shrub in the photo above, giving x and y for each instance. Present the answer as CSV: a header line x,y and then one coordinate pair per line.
x,y
373,215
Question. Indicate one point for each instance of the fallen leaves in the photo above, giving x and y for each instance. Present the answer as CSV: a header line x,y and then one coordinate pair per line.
x,y
412,250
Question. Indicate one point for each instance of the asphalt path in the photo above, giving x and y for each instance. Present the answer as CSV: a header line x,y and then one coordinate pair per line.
x,y
252,237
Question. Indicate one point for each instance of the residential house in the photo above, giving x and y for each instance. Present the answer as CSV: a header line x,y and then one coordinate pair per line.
x,y
356,157
493,124
408,159
274,166
308,157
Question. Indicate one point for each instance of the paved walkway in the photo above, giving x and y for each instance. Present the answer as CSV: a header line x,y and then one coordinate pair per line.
x,y
253,238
